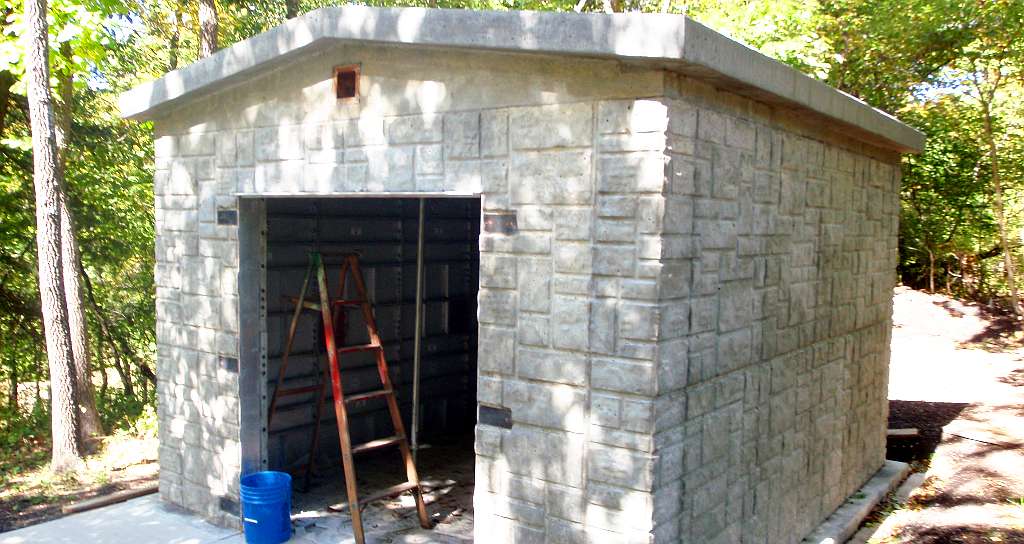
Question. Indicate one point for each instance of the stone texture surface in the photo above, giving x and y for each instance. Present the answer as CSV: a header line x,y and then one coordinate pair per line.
x,y
693,339
771,404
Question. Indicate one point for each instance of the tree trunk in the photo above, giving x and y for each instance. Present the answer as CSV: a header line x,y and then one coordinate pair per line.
x,y
63,413
6,80
997,192
931,271
89,418
207,28
12,394
291,8
172,45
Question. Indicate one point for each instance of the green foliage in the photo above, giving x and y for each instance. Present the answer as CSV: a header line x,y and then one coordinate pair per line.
x,y
884,50
109,183
784,29
944,214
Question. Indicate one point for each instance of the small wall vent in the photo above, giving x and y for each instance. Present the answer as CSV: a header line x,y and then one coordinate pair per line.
x,y
346,82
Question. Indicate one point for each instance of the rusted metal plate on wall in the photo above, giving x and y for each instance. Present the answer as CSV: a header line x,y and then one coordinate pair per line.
x,y
501,223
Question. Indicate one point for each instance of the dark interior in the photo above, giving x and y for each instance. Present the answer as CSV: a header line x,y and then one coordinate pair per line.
x,y
383,232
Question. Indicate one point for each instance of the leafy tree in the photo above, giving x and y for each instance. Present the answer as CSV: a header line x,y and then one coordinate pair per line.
x,y
884,50
984,71
944,207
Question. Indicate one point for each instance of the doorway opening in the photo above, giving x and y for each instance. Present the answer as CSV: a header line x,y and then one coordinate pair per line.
x,y
385,234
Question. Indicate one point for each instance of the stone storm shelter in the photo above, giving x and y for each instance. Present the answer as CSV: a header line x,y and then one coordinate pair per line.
x,y
657,266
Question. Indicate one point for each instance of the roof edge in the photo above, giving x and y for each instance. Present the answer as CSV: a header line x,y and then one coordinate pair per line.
x,y
658,38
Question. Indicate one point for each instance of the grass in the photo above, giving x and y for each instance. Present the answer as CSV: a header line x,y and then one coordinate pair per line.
x,y
30,492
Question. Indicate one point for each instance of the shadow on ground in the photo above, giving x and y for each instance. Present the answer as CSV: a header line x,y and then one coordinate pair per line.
x,y
967,534
1001,330
928,418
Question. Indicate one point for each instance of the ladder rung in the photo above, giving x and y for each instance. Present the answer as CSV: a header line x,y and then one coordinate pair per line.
x,y
389,492
348,302
379,443
298,390
360,347
306,304
368,395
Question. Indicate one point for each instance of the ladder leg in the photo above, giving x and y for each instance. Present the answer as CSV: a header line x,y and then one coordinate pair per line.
x,y
385,378
338,319
314,445
371,325
410,465
339,405
288,344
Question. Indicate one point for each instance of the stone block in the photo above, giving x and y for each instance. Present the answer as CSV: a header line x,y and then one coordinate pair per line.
x,y
462,135
550,405
639,172
463,177
603,329
573,258
622,116
573,224
621,467
494,179
245,147
552,366
279,143
494,133
622,376
499,356
562,125
614,260
413,129
605,410
638,321
197,144
429,160
740,133
364,131
563,459
615,231
682,119
534,284
616,206
498,271
551,177
570,318
226,151
565,502
711,126
534,330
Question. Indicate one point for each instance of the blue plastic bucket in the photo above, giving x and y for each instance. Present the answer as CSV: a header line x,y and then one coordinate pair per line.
x,y
267,507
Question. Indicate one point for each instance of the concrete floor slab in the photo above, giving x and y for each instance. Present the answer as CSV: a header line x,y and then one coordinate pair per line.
x,y
144,519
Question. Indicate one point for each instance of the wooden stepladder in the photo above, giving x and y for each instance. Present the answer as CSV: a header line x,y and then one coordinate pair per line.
x,y
333,311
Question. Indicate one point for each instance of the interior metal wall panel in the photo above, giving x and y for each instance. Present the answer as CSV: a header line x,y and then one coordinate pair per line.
x,y
384,233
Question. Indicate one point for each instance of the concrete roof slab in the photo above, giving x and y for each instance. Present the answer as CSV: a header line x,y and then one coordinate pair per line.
x,y
670,41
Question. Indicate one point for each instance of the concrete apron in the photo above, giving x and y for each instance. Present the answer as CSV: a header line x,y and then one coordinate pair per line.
x,y
148,520
144,519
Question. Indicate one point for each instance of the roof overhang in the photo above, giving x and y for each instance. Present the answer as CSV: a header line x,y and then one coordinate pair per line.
x,y
672,42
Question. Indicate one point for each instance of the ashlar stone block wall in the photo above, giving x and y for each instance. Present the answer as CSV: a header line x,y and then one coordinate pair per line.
x,y
531,135
779,249
690,326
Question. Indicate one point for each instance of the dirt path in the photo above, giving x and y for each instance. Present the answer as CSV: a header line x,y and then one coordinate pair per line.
x,y
956,377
